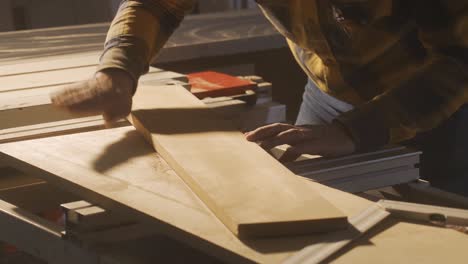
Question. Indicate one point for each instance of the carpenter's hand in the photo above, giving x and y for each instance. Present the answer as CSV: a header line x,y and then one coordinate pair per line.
x,y
324,140
107,93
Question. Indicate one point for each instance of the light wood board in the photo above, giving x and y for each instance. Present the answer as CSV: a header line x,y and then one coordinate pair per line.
x,y
116,169
250,191
50,63
394,241
55,128
50,78
36,96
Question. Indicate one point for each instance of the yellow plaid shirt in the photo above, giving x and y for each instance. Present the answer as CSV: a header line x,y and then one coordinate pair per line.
x,y
401,63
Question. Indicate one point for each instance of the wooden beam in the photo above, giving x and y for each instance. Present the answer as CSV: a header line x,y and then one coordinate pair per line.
x,y
62,127
246,188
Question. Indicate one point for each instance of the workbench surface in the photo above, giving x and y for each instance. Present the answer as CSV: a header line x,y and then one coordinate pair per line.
x,y
118,170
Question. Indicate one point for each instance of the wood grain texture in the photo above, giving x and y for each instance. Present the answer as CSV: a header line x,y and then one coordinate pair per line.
x,y
52,78
396,241
118,170
51,63
29,96
249,191
55,128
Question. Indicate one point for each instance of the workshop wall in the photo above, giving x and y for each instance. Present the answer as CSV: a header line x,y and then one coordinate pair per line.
x,y
31,14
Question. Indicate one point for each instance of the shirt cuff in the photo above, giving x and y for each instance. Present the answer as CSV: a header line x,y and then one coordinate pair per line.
x,y
366,126
127,57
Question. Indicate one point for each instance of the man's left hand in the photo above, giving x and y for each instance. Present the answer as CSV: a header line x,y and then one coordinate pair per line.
x,y
328,140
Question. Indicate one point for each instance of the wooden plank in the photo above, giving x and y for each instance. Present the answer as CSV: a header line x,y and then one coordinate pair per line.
x,y
44,79
405,242
116,169
235,178
332,243
335,241
35,117
51,63
67,126
56,77
37,96
45,120
32,115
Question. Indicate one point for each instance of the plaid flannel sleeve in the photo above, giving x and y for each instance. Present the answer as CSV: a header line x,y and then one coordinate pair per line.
x,y
427,97
139,30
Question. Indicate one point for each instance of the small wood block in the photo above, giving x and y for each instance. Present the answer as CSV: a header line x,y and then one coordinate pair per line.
x,y
91,218
253,78
69,209
65,76
264,88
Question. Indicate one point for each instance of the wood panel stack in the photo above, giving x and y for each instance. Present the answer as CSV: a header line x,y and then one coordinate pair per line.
x,y
34,64
25,107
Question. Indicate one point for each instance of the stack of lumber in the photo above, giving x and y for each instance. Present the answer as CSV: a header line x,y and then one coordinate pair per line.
x,y
34,63
26,111
25,107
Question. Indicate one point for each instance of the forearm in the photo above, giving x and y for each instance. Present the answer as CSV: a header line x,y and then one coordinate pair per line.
x,y
139,31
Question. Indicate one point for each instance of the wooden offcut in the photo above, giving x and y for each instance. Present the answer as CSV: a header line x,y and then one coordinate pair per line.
x,y
246,188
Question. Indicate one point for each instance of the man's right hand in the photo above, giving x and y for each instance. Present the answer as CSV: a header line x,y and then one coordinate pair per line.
x,y
108,93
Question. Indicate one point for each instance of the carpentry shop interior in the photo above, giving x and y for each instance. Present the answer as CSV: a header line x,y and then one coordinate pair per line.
x,y
233,131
